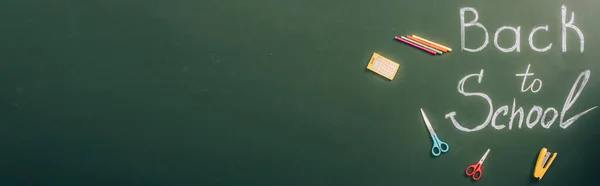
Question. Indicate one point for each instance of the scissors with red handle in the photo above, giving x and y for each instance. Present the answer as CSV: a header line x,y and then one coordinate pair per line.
x,y
474,171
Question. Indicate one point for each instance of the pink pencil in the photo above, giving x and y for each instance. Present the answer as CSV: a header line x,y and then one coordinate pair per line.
x,y
417,46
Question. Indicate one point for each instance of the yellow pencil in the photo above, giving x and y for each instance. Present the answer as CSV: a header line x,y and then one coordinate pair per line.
x,y
449,49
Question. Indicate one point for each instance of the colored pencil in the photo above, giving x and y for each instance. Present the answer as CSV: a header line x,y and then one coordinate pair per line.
x,y
428,44
417,43
416,46
449,49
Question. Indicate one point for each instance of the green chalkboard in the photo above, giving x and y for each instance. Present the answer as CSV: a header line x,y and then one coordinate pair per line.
x,y
271,92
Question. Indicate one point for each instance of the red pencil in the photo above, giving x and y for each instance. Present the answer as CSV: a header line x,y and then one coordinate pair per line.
x,y
417,46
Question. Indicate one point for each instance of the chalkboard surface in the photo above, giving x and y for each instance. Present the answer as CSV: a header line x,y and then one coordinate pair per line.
x,y
271,92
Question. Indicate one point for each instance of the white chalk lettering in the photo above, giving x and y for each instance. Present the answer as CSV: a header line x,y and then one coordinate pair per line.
x,y
534,116
530,87
566,25
554,116
461,90
538,111
571,100
513,115
474,22
533,47
517,30
504,110
516,46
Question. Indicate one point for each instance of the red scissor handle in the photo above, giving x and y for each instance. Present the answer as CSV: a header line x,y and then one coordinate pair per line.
x,y
474,171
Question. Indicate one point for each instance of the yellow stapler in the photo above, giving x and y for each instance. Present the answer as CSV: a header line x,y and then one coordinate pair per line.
x,y
543,162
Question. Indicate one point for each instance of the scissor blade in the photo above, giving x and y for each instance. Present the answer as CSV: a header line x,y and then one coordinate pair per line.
x,y
427,123
484,156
